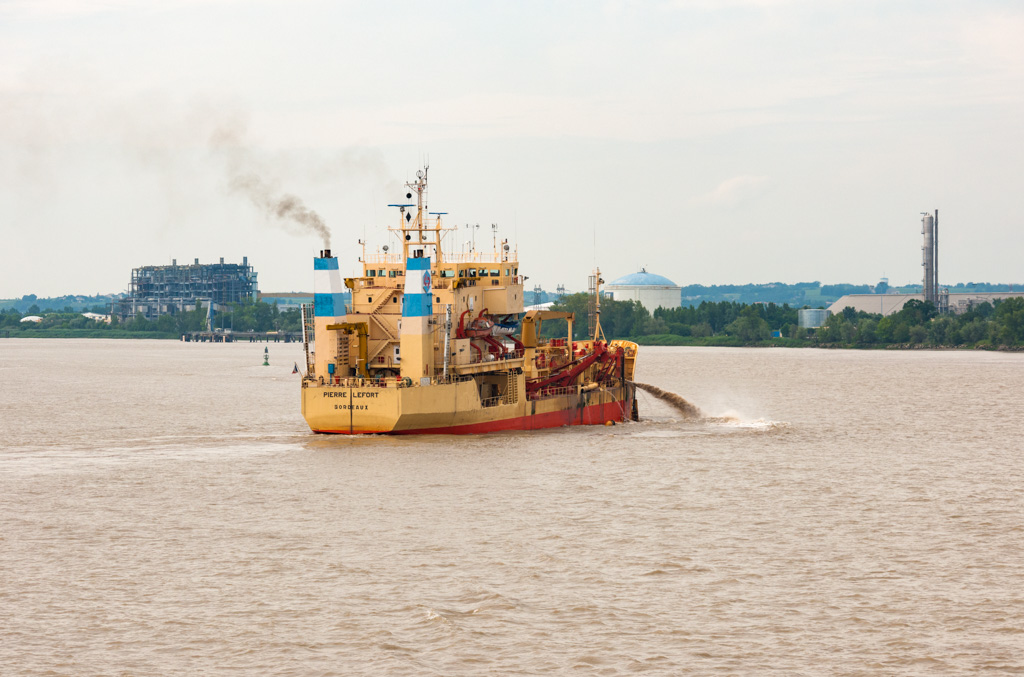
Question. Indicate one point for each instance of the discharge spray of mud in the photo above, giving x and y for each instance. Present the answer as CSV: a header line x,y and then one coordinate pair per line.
x,y
684,407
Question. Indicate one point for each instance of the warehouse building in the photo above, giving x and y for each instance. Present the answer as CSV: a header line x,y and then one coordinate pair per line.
x,y
887,304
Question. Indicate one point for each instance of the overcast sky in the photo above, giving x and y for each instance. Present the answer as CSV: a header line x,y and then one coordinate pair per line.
x,y
712,142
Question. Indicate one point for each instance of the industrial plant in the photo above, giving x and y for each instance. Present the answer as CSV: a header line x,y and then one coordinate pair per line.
x,y
162,290
943,300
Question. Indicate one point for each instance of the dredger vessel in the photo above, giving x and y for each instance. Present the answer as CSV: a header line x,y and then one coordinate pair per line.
x,y
438,342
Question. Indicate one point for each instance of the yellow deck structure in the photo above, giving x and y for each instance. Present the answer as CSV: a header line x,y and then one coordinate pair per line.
x,y
437,342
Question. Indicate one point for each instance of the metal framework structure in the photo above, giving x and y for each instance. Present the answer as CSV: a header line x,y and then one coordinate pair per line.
x,y
159,290
930,261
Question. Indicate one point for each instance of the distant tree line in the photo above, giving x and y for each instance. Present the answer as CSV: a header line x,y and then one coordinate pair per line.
x,y
918,324
630,319
999,324
30,304
243,317
259,316
732,323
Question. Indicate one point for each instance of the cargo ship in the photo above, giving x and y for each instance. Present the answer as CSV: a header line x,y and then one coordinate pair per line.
x,y
438,342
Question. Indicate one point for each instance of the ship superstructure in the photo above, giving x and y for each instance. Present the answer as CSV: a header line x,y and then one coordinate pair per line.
x,y
436,342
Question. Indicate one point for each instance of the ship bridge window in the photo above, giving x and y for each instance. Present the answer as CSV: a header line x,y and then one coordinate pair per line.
x,y
462,273
507,272
482,272
380,273
495,272
392,273
472,272
371,273
447,273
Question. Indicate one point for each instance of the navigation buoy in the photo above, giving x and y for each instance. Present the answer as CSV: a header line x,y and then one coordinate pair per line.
x,y
266,357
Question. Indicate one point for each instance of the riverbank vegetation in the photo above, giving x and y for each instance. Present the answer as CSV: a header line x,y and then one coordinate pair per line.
x,y
243,317
726,323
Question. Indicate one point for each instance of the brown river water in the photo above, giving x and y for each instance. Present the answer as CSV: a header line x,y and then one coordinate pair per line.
x,y
165,510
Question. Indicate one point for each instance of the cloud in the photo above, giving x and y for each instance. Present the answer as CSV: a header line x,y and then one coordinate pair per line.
x,y
737,189
56,9
713,5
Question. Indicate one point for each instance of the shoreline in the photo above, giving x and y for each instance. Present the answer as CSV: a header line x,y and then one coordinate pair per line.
x,y
645,341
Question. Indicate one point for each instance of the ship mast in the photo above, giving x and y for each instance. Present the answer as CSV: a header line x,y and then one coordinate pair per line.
x,y
417,235
596,332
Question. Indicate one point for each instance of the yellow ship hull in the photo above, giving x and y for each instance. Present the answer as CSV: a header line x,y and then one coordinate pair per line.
x,y
455,408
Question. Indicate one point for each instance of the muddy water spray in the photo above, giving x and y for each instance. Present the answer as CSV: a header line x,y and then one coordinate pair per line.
x,y
681,404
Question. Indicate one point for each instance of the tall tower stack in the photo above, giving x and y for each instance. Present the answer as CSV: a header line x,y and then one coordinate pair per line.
x,y
935,260
930,256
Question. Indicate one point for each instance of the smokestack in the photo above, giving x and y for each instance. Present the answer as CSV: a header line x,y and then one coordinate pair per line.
x,y
935,258
928,251
415,337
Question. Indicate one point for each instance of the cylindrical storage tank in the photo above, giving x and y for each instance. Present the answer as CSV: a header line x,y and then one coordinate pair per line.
x,y
812,318
652,291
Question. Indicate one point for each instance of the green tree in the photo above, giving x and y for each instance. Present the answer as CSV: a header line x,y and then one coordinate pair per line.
x,y
885,330
702,329
749,326
901,333
139,323
1009,316
974,331
167,324
916,312
866,330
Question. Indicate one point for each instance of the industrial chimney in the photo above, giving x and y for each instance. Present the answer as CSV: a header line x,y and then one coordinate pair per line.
x,y
930,256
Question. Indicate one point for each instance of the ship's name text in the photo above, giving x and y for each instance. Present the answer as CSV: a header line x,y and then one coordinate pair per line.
x,y
355,394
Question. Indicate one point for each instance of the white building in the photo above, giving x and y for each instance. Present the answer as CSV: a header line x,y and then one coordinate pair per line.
x,y
887,304
652,291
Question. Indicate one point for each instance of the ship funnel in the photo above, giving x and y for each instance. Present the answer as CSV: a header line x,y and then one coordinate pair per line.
x,y
328,290
417,343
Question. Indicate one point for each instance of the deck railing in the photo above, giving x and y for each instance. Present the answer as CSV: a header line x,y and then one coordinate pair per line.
x,y
545,393
391,382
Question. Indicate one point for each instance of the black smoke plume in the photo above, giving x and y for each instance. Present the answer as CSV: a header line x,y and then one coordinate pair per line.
x,y
244,177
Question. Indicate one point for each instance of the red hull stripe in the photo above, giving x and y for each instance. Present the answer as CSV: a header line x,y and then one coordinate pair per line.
x,y
595,414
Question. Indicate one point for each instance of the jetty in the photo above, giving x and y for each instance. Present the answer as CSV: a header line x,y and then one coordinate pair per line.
x,y
242,337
